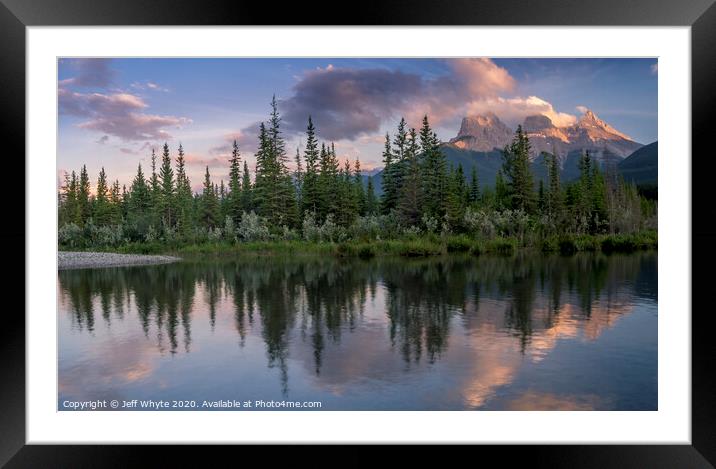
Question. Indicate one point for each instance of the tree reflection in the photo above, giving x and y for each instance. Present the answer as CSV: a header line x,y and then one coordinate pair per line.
x,y
317,301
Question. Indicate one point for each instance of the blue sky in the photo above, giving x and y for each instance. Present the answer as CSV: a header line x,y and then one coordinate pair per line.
x,y
113,111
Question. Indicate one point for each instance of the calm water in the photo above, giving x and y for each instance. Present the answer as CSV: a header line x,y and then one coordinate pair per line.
x,y
492,333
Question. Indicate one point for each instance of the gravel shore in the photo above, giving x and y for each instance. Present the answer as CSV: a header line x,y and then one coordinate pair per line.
x,y
81,260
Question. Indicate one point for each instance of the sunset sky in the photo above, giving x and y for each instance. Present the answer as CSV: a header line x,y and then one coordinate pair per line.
x,y
113,111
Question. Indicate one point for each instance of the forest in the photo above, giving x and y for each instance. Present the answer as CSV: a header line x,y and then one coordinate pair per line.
x,y
316,204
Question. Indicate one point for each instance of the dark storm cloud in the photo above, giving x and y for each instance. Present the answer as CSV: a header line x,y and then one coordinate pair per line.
x,y
345,103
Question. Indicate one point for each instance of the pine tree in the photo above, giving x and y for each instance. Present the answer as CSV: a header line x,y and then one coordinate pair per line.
x,y
298,176
410,194
155,190
554,195
246,192
327,183
166,198
310,199
184,211
140,199
371,201
115,200
70,212
101,210
234,206
474,186
516,166
83,197
209,203
389,198
358,191
434,169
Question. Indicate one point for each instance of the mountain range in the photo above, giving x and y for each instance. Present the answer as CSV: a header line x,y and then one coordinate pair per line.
x,y
487,132
481,139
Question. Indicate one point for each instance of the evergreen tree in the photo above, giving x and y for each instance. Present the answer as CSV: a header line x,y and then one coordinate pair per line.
x,y
155,189
554,197
358,188
410,194
246,192
434,172
502,192
184,202
516,167
70,211
101,211
298,176
166,180
389,198
115,200
327,183
234,205
209,203
83,197
371,201
474,186
310,199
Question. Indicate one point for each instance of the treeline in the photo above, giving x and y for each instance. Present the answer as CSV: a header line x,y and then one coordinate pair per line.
x,y
320,200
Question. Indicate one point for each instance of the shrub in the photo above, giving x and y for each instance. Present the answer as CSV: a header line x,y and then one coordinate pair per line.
x,y
253,228
70,235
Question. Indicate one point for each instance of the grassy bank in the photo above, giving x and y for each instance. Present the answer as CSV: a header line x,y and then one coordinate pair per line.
x,y
417,247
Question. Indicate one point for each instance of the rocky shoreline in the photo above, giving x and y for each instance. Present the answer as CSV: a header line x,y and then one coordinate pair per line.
x,y
87,260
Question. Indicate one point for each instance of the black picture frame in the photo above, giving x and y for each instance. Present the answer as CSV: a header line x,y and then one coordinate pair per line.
x,y
700,15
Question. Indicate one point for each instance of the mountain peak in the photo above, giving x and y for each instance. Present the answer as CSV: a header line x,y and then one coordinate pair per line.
x,y
597,129
486,132
482,132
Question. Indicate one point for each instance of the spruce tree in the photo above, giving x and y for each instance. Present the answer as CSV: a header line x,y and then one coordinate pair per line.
x,y
516,167
359,192
83,197
234,206
298,176
166,180
184,212
554,194
411,190
101,209
310,193
433,172
371,201
246,192
209,203
474,186
389,198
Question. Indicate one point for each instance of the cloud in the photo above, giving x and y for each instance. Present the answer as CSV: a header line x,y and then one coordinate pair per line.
x,y
90,73
118,114
654,68
582,109
199,160
103,139
514,110
149,86
347,103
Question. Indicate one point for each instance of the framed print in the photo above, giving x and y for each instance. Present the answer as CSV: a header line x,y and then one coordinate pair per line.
x,y
432,226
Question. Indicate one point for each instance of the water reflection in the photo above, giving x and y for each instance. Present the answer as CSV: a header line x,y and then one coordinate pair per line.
x,y
447,333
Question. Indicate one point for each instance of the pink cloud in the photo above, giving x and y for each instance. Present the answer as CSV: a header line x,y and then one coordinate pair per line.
x,y
118,114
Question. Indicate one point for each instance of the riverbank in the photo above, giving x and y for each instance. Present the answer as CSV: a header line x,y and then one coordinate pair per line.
x,y
85,260
409,247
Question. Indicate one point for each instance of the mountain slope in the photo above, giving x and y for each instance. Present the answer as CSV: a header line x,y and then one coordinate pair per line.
x,y
642,166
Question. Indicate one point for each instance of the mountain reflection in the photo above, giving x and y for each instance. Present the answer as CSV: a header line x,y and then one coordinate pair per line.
x,y
343,314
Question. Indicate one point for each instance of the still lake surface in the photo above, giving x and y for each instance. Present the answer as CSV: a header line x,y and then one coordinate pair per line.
x,y
528,332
